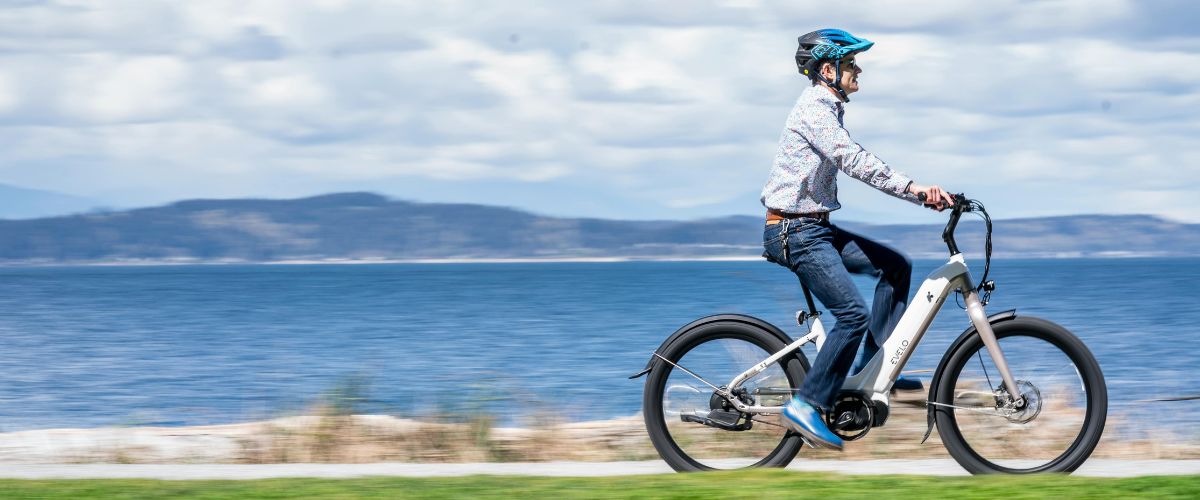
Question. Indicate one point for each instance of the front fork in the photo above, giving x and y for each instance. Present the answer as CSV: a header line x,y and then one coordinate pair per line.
x,y
979,319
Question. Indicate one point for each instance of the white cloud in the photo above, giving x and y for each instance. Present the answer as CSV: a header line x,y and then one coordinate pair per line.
x,y
9,96
672,108
109,89
290,90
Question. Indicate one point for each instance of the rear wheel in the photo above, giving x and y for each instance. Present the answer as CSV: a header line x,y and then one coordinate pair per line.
x,y
692,428
1055,423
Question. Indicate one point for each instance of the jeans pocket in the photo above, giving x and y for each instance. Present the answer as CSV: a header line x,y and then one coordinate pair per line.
x,y
773,233
773,237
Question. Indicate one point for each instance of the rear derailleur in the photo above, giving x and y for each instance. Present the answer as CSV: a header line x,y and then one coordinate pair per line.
x,y
722,414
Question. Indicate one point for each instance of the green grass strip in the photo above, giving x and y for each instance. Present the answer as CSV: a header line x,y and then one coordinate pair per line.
x,y
754,484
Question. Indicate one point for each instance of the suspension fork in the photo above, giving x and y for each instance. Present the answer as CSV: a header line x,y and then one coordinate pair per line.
x,y
979,319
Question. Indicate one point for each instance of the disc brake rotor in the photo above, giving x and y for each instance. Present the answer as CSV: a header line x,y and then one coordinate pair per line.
x,y
1030,404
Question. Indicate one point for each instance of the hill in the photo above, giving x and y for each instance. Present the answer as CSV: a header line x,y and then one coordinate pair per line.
x,y
365,226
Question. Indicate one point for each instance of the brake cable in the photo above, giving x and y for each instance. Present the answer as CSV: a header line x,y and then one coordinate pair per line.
x,y
983,288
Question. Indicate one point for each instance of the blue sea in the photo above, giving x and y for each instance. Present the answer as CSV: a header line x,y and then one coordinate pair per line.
x,y
191,345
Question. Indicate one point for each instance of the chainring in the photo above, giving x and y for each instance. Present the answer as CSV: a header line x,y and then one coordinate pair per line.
x,y
851,417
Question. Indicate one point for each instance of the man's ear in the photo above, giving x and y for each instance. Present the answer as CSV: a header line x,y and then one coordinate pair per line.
x,y
827,70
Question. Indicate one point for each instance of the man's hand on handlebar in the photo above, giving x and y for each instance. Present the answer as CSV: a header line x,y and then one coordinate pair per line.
x,y
932,196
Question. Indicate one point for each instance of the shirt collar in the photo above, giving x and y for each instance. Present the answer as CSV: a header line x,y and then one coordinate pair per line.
x,y
821,94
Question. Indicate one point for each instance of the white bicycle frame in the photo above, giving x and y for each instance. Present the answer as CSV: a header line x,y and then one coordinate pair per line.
x,y
877,377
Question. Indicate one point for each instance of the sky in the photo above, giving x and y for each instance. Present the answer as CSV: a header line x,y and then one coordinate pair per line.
x,y
613,109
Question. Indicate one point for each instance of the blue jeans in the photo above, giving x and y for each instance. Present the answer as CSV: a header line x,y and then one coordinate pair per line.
x,y
823,256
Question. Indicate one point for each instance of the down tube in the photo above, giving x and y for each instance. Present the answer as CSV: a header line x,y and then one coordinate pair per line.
x,y
920,313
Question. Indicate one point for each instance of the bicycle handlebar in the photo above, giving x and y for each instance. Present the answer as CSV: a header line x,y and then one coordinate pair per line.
x,y
962,204
960,201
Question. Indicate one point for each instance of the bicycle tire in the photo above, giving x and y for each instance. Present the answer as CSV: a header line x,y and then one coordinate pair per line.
x,y
683,458
1020,332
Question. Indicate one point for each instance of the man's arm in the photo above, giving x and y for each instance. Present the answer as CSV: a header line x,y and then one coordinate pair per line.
x,y
833,142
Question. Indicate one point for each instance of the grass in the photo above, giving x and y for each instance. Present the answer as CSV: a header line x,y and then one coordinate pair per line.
x,y
742,484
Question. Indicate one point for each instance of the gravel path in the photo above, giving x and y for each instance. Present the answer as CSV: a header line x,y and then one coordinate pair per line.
x,y
1094,468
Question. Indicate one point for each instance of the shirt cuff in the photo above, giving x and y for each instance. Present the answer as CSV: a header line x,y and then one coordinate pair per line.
x,y
902,182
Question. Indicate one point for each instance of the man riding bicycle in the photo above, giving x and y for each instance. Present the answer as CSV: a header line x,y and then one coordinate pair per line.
x,y
799,196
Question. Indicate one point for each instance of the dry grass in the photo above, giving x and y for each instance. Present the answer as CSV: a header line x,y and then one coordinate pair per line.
x,y
364,438
332,436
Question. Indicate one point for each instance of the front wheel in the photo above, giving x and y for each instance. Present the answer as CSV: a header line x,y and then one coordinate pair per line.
x,y
692,428
1052,427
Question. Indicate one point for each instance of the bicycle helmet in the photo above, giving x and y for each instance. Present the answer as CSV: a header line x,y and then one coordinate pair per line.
x,y
828,45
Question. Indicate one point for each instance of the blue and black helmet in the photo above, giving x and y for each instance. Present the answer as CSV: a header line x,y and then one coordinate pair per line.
x,y
827,45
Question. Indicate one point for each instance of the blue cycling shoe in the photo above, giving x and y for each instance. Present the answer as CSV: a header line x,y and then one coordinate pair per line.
x,y
806,420
907,384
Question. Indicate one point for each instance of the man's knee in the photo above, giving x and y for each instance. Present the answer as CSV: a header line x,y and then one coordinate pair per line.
x,y
855,315
897,261
900,267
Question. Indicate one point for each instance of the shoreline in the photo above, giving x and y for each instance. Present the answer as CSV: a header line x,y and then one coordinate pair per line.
x,y
337,438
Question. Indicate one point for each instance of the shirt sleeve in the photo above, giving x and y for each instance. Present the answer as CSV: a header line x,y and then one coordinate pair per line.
x,y
830,139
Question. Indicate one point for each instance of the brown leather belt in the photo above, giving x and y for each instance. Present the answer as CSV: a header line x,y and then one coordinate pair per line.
x,y
775,216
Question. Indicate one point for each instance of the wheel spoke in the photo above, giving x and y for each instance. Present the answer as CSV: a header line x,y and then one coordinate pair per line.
x,y
689,372
761,421
696,428
1054,422
979,355
997,412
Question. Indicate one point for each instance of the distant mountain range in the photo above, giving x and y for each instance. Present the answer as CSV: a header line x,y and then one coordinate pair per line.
x,y
369,227
23,203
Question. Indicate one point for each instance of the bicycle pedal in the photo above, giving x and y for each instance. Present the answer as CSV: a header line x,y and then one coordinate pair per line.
x,y
721,419
811,444
724,418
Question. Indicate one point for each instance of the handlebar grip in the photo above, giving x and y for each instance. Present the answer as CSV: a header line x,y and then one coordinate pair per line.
x,y
960,201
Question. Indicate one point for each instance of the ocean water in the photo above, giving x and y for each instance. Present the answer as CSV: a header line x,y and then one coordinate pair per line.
x,y
191,345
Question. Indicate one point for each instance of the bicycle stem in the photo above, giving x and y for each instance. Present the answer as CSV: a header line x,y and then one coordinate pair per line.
x,y
948,232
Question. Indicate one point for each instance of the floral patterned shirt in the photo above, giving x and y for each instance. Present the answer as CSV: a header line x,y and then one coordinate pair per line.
x,y
814,146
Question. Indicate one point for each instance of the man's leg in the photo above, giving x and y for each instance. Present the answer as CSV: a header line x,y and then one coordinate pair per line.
x,y
862,255
813,257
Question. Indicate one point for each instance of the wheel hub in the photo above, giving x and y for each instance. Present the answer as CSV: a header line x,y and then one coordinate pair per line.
x,y
722,414
718,402
1020,410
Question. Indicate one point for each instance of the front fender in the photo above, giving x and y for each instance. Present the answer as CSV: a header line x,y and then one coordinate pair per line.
x,y
738,318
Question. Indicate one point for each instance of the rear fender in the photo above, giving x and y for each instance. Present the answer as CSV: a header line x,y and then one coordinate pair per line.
x,y
735,318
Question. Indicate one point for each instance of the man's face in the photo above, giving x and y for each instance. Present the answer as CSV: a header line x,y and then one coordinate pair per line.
x,y
850,72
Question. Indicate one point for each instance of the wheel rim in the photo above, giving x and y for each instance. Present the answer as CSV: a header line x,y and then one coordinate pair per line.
x,y
1031,437
719,360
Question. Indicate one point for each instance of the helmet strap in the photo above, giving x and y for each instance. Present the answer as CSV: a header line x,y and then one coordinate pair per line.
x,y
836,84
